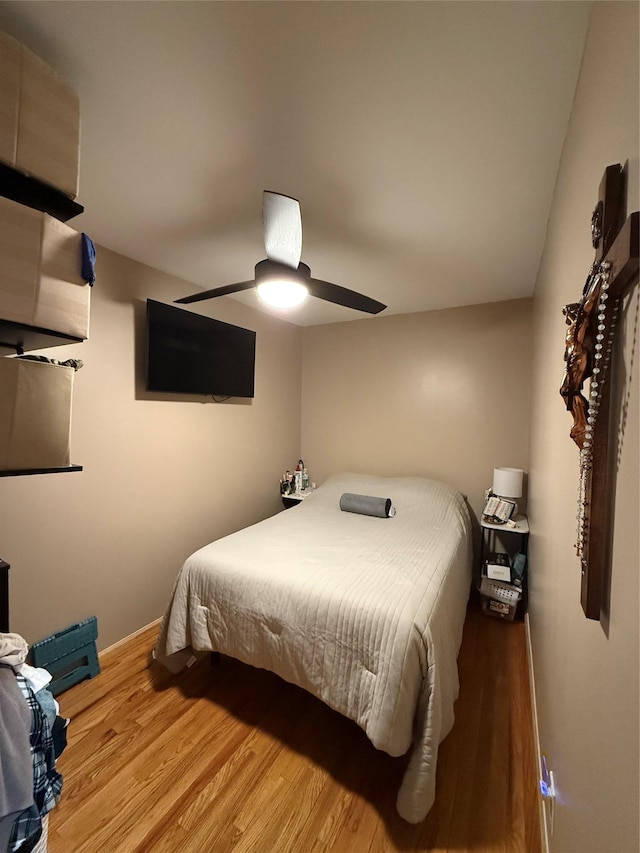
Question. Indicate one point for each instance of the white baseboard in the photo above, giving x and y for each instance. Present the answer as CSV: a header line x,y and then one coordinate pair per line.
x,y
544,829
126,639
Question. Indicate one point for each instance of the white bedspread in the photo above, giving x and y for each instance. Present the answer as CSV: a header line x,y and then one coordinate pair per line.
x,y
365,613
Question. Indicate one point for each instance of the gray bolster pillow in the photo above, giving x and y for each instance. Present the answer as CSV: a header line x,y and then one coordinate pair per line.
x,y
366,505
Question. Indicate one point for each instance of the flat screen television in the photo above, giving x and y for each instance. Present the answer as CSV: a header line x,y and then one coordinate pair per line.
x,y
188,353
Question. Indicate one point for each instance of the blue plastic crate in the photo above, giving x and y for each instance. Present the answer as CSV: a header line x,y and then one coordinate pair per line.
x,y
69,655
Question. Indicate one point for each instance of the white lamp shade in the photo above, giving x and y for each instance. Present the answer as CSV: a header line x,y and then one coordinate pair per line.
x,y
507,482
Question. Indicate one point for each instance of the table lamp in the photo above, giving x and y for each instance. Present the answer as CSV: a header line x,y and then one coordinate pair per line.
x,y
507,484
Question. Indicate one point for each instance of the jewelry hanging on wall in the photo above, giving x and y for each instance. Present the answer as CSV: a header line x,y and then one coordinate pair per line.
x,y
602,349
588,355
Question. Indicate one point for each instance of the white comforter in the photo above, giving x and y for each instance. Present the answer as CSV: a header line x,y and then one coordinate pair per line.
x,y
365,613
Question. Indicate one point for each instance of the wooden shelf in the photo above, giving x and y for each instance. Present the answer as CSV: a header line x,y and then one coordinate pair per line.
x,y
22,338
26,471
33,193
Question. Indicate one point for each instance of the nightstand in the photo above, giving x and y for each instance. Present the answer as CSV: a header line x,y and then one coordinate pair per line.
x,y
294,499
489,531
503,598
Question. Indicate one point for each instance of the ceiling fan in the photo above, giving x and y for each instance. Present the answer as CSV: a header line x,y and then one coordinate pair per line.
x,y
281,279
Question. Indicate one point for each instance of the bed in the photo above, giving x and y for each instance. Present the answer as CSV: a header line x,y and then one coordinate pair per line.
x,y
364,612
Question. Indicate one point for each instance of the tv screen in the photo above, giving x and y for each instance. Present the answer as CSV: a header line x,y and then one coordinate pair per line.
x,y
191,354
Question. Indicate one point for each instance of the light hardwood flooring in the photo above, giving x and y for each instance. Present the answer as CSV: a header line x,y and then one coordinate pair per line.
x,y
231,758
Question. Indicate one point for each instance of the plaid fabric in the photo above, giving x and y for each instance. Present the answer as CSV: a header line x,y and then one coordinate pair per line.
x,y
41,846
47,782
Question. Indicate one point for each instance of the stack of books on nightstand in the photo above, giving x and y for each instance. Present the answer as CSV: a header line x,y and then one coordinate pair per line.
x,y
501,585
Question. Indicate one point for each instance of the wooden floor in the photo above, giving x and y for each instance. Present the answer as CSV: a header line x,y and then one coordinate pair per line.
x,y
232,758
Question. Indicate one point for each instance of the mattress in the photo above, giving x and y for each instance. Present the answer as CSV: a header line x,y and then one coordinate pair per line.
x,y
365,613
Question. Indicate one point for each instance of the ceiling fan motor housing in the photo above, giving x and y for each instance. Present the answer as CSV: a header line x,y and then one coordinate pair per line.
x,y
272,269
283,240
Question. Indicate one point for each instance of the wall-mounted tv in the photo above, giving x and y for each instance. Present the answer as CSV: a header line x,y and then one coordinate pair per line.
x,y
188,353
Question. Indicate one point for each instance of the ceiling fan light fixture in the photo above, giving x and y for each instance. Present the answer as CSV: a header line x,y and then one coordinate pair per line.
x,y
281,279
282,292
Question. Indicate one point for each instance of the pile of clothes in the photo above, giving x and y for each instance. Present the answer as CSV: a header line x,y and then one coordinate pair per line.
x,y
32,736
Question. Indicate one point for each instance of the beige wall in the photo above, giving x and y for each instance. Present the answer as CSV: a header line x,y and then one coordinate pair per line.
x,y
586,676
162,476
442,394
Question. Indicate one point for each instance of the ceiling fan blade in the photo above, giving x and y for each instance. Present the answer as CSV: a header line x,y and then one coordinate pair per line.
x,y
282,225
217,291
342,296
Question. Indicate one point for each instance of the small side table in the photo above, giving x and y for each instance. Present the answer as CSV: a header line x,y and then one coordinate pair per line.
x,y
294,499
489,531
516,540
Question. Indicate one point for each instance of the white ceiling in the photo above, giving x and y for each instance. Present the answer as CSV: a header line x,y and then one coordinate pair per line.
x,y
421,138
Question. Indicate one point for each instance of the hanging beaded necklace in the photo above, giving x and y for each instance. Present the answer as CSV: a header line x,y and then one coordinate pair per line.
x,y
602,358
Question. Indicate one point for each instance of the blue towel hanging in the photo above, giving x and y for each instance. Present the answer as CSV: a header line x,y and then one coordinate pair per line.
x,y
88,260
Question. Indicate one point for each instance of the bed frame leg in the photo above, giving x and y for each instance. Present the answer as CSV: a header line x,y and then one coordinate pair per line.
x,y
214,660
